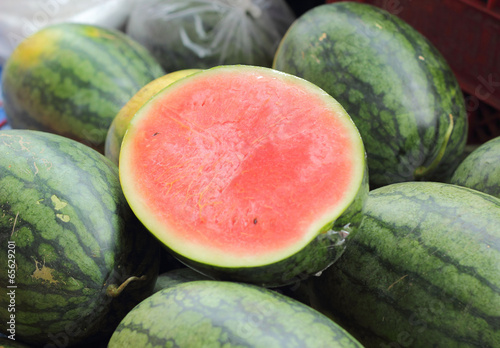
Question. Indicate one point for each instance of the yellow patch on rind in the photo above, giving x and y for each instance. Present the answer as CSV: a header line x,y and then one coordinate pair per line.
x,y
58,204
32,49
43,273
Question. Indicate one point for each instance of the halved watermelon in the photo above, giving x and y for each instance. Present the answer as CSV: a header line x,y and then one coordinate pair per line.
x,y
246,173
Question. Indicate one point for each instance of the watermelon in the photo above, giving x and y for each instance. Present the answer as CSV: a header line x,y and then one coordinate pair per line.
x,y
396,86
226,314
480,170
422,271
72,79
246,173
78,259
119,125
177,276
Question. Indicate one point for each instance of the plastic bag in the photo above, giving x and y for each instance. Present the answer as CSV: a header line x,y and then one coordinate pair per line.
x,y
21,18
185,34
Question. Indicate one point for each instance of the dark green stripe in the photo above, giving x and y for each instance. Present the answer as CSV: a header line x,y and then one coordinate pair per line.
x,y
418,280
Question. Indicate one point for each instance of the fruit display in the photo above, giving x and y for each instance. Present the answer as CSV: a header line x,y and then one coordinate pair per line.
x,y
255,180
72,79
398,89
215,187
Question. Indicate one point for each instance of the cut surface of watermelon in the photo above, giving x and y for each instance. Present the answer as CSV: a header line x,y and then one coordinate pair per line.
x,y
240,166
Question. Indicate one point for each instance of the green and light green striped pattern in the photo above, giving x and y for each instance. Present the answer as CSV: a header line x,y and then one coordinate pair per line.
x,y
396,86
423,270
480,170
62,205
72,79
226,314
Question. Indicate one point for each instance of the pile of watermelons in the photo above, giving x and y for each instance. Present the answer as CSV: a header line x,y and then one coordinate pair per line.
x,y
326,200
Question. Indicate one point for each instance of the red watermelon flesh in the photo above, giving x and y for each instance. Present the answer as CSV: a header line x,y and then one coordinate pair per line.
x,y
240,166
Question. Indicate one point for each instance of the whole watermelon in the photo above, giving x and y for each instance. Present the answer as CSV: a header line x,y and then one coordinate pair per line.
x,y
72,79
396,86
77,258
209,313
422,271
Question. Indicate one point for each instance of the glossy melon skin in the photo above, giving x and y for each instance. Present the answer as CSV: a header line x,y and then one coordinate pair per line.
x,y
225,314
170,139
74,237
422,271
396,86
480,170
72,79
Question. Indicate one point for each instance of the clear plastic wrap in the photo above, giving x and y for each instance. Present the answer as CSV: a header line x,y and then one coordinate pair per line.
x,y
185,34
21,18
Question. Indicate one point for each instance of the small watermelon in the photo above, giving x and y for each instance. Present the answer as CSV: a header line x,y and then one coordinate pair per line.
x,y
246,173
226,314
480,170
399,90
72,79
422,271
120,123
78,260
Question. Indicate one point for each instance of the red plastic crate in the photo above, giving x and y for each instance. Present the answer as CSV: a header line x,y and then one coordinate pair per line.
x,y
467,33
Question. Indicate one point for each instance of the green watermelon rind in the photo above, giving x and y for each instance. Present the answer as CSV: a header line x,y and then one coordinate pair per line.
x,y
480,170
226,314
397,87
423,269
75,236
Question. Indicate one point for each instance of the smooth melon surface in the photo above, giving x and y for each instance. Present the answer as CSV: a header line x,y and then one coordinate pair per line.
x,y
240,166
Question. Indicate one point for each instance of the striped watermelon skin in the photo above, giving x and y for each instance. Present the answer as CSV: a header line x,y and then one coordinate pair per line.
x,y
177,276
72,79
74,236
209,313
423,270
397,87
480,170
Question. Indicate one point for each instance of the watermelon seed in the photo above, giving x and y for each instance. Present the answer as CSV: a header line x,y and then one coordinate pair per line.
x,y
255,221
156,133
